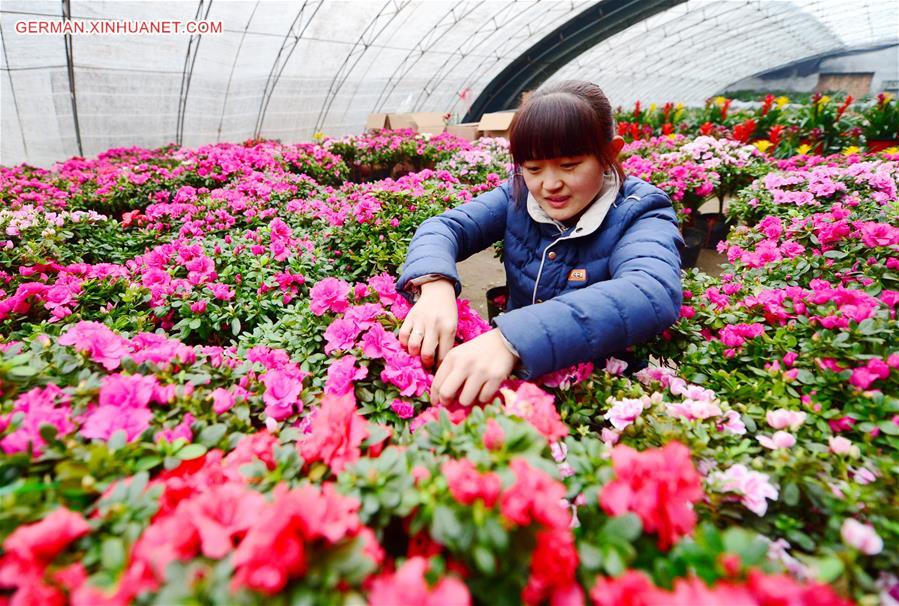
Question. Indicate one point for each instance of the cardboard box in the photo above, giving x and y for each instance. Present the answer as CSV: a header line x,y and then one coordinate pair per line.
x,y
429,122
495,124
468,130
422,122
376,121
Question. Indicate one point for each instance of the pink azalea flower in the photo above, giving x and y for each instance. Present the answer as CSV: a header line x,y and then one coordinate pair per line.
x,y
782,418
780,439
327,295
282,391
732,423
403,409
537,407
223,292
104,421
222,400
614,366
840,445
406,373
408,585
99,342
861,536
128,391
182,430
693,410
494,436
342,373
752,486
378,343
624,412
341,335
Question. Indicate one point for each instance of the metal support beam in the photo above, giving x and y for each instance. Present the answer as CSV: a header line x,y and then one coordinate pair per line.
x,y
70,68
579,34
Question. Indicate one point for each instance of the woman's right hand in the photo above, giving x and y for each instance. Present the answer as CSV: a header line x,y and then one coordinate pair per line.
x,y
429,329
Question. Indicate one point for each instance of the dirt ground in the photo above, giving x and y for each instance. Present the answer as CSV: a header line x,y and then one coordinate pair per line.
x,y
483,271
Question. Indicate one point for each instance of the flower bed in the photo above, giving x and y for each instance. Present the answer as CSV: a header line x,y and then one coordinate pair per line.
x,y
204,398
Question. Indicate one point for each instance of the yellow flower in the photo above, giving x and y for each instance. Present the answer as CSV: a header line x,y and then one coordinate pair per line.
x,y
652,108
318,136
803,149
824,100
678,112
887,97
782,100
672,136
852,149
719,101
891,150
763,145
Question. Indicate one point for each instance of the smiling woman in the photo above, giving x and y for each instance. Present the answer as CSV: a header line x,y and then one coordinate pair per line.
x,y
591,257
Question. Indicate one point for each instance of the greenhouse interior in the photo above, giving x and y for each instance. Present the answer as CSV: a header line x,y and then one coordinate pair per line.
x,y
449,303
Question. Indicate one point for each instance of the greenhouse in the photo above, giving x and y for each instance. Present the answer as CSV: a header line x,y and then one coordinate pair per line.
x,y
437,303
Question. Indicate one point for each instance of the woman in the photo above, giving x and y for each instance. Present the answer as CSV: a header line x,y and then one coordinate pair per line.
x,y
591,257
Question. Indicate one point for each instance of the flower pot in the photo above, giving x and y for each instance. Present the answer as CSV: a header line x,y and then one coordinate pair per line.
x,y
693,239
878,145
497,301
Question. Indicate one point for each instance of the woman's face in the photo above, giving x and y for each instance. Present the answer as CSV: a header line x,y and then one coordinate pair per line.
x,y
563,186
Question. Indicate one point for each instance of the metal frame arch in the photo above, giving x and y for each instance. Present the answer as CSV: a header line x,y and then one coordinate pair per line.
x,y
439,77
557,48
272,81
341,76
218,134
187,73
419,49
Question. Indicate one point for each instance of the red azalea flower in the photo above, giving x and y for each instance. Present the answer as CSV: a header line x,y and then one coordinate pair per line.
x,y
660,485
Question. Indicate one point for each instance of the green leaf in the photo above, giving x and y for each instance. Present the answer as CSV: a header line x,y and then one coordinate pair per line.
x,y
889,428
112,553
191,451
624,528
484,560
117,440
590,556
791,494
829,569
445,527
235,326
212,434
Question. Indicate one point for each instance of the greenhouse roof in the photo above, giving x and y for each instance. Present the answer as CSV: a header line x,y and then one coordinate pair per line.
x,y
287,70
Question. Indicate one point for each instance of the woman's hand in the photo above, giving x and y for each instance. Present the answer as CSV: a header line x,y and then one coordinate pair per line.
x,y
430,327
473,370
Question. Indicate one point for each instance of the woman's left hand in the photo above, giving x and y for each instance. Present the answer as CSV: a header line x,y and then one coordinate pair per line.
x,y
473,371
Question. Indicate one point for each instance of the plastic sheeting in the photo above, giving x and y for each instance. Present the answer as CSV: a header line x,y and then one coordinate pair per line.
x,y
287,70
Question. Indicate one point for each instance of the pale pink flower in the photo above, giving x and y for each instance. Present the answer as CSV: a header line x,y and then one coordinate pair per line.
x,y
863,476
182,430
780,439
840,445
694,410
609,436
861,536
614,366
624,412
733,423
752,486
782,418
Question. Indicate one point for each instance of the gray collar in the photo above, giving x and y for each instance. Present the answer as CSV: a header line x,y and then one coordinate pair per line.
x,y
592,217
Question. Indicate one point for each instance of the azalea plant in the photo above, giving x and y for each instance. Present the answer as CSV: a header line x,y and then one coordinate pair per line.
x,y
203,397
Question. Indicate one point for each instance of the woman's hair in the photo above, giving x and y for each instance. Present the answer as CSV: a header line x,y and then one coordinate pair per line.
x,y
569,118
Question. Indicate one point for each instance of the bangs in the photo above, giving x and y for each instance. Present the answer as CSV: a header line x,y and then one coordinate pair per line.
x,y
555,125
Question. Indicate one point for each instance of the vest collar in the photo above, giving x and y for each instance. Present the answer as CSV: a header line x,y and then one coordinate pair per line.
x,y
592,217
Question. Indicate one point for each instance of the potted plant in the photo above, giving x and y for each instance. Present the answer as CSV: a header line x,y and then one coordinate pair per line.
x,y
881,125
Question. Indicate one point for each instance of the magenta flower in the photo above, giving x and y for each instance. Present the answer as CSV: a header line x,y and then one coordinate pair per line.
x,y
128,391
98,342
220,291
282,391
341,335
329,294
104,421
342,374
403,409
